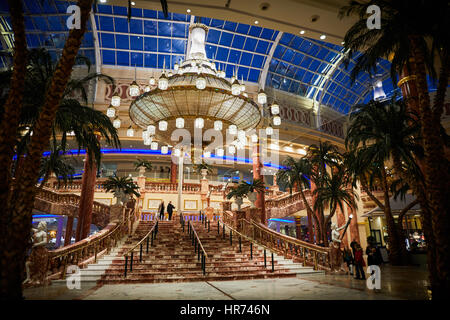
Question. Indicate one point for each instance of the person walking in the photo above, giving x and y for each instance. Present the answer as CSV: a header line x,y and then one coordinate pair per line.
x,y
170,208
359,263
161,211
372,255
348,258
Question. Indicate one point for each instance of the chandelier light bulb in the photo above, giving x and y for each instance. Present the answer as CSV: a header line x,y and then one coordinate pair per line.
x,y
163,82
116,123
145,134
218,125
232,129
242,84
154,145
130,132
262,97
254,138
152,81
245,94
179,123
111,111
232,149
164,149
269,131
115,100
276,121
151,129
199,123
275,108
200,83
147,89
170,74
219,152
148,141
235,88
162,125
134,89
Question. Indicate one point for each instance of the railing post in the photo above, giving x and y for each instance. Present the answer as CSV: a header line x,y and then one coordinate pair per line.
x,y
209,225
272,263
251,250
152,236
131,262
315,260
218,227
240,244
204,263
265,260
231,237
223,232
126,266
198,251
140,253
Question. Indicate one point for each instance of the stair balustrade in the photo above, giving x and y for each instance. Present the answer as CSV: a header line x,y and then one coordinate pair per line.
x,y
198,247
148,240
83,251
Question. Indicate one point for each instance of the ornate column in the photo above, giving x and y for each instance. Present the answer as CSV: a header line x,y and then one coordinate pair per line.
x,y
260,199
87,198
407,84
298,227
354,231
316,227
173,172
341,220
69,230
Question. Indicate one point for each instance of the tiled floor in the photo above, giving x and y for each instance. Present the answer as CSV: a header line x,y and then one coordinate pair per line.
x,y
396,283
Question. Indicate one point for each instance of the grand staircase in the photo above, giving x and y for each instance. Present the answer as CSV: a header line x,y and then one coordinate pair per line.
x,y
172,258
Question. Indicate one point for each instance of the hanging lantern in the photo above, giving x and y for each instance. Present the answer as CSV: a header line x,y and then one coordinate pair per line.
x,y
269,131
276,120
245,94
179,123
116,123
151,129
111,111
163,82
199,123
152,81
235,88
170,74
254,138
115,100
147,89
218,125
148,141
164,149
154,145
232,129
262,97
241,135
176,66
134,89
232,149
200,83
145,134
162,125
240,144
207,154
242,84
130,132
275,108
219,152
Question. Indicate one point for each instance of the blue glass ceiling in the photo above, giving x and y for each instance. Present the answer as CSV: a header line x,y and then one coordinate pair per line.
x,y
299,65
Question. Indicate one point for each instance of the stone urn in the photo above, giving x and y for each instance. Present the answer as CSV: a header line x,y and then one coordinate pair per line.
x,y
141,171
204,172
239,202
121,196
252,197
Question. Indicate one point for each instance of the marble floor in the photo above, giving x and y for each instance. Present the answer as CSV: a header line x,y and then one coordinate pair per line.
x,y
408,283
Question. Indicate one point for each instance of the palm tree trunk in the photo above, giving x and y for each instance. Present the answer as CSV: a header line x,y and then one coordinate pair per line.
x,y
310,215
22,201
436,175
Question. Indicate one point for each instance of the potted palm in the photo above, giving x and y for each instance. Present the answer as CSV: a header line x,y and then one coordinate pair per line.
x,y
237,194
142,165
123,188
203,169
247,189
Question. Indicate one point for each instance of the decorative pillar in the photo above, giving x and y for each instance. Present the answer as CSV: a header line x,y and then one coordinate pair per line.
x,y
260,198
407,84
87,197
354,230
340,217
298,227
69,230
59,231
173,172
316,228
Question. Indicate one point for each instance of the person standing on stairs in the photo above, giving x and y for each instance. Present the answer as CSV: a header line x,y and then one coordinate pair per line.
x,y
161,211
170,208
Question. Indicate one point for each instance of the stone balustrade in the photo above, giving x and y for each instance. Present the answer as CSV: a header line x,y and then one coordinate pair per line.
x,y
286,204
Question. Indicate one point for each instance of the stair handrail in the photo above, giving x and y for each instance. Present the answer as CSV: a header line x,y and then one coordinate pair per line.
x,y
252,241
149,235
85,248
196,242
317,256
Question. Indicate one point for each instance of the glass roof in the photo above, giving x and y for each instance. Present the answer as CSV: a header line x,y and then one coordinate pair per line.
x,y
299,65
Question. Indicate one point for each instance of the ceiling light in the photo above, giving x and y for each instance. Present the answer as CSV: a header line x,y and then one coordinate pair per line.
x,y
177,152
151,129
154,145
133,3
269,131
199,123
115,100
276,120
134,89
232,149
152,81
254,138
130,132
179,123
323,36
262,97
116,123
343,42
200,83
218,125
164,149
145,134
275,108
162,125
163,82
219,152
188,10
111,112
302,32
256,21
102,1
232,129
207,154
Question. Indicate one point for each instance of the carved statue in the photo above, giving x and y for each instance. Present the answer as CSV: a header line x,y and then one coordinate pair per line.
x,y
336,260
36,265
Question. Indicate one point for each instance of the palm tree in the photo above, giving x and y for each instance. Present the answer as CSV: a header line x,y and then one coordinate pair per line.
x,y
19,196
123,187
203,168
333,193
56,164
142,164
294,176
415,35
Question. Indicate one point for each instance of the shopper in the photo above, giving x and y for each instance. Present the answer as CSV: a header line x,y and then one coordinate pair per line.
x,y
161,210
359,263
170,208
348,258
372,255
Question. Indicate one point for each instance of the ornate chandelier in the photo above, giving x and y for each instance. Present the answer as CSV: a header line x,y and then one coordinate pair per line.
x,y
195,96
